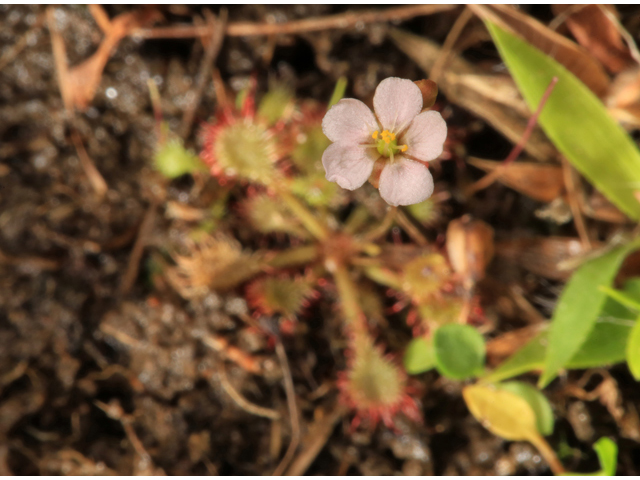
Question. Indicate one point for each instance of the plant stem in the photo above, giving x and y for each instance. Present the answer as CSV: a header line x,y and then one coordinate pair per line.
x,y
383,227
549,455
384,277
293,257
357,219
408,226
349,299
308,219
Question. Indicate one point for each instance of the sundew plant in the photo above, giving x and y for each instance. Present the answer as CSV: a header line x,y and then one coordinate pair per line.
x,y
281,157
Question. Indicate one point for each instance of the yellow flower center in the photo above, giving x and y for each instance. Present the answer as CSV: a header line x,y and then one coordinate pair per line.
x,y
386,143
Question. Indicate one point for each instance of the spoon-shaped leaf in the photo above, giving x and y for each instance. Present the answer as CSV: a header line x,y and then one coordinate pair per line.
x,y
509,416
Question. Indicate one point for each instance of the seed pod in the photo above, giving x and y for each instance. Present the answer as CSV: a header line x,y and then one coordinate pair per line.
x,y
470,248
429,90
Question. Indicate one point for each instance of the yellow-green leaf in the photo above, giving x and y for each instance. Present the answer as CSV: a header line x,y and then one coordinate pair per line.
x,y
509,416
501,412
537,401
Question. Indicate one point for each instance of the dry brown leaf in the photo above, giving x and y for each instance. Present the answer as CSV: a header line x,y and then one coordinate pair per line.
x,y
595,32
541,255
575,58
623,100
502,347
78,85
542,182
598,207
494,98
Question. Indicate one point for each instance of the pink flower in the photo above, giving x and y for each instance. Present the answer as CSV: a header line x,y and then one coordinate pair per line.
x,y
398,134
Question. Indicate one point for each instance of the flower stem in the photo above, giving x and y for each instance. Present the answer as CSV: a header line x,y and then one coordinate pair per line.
x,y
308,219
383,227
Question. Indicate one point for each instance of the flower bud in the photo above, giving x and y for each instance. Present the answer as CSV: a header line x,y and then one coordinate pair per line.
x,y
429,90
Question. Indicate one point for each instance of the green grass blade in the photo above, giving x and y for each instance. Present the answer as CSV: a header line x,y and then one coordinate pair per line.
x,y
576,121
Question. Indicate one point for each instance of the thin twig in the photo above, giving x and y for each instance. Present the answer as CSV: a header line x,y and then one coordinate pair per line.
x,y
449,43
101,18
133,266
631,43
115,411
60,59
233,354
315,439
563,16
242,402
293,411
578,219
216,36
30,263
488,179
339,21
96,179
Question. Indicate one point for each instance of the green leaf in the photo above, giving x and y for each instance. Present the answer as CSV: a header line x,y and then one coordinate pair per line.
x,y
537,401
633,351
621,297
528,358
578,309
172,160
459,351
604,346
576,121
632,288
420,356
607,452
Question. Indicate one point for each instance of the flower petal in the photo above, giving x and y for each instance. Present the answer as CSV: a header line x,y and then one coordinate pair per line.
x,y
405,182
397,101
425,136
349,121
348,165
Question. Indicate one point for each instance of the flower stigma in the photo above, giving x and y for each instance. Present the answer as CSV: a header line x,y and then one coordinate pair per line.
x,y
387,144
